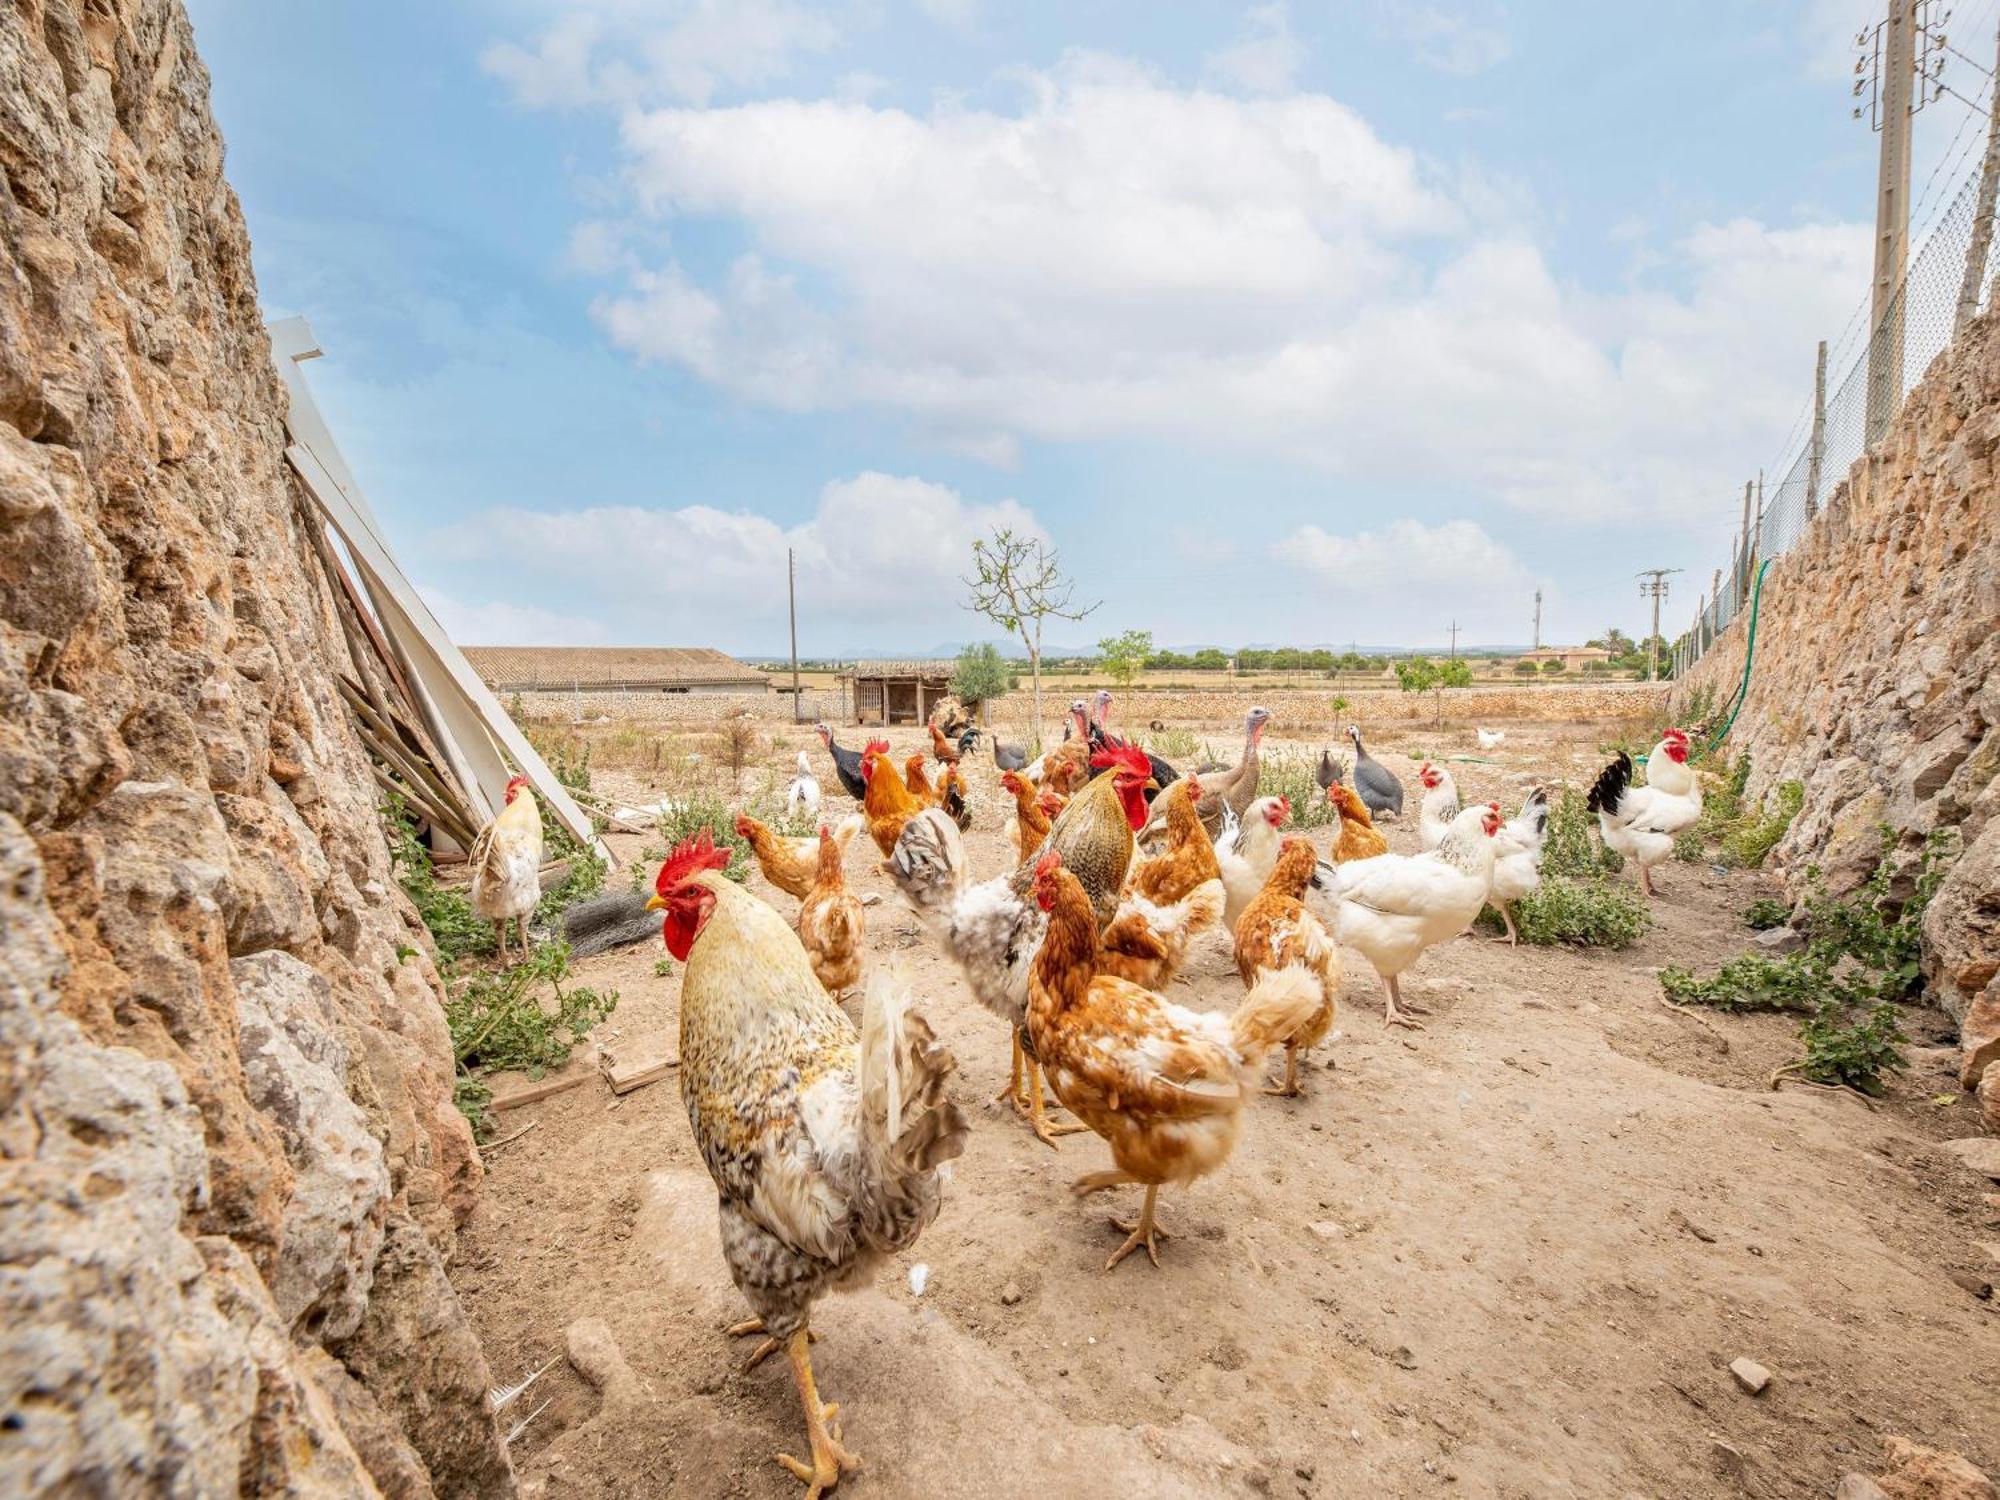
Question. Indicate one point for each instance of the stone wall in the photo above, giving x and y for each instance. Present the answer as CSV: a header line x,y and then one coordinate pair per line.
x,y
1876,679
230,1169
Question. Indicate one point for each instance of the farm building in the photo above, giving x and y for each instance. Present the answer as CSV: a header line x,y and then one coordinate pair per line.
x,y
1574,658
613,669
898,692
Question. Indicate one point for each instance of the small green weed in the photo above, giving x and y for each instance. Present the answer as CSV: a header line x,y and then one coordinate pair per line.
x,y
1286,776
1568,849
697,810
663,968
1586,913
500,1020
1765,913
456,929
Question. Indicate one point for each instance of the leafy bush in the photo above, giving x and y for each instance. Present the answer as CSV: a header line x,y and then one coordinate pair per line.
x,y
982,675
1589,913
1567,847
1765,913
498,1020
1287,776
1525,669
697,810
1747,843
1553,666
456,929
1860,959
1177,746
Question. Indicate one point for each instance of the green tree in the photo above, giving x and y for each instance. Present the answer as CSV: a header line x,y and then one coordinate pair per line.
x,y
1210,659
1552,666
1123,657
1525,668
1614,640
1017,582
1419,674
981,677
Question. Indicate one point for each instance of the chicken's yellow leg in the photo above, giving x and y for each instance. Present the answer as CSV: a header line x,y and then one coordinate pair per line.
x,y
1012,1093
1045,1132
1146,1232
1391,1016
829,1459
1289,1089
765,1347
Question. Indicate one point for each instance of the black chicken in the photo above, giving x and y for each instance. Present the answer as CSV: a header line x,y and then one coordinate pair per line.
x,y
846,763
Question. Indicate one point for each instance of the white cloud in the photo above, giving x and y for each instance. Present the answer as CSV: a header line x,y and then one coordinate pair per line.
x,y
630,52
1266,58
881,553
1447,40
498,623
958,14
1400,576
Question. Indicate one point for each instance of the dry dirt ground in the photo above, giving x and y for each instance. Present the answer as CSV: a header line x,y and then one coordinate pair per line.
x,y
1512,1255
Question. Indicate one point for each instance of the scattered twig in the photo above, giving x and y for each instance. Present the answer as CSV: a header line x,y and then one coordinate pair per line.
x,y
539,1091
1780,1077
1696,1016
496,1145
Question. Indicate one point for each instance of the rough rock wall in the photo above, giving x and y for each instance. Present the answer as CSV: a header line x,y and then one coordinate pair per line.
x,y
230,1169
1876,679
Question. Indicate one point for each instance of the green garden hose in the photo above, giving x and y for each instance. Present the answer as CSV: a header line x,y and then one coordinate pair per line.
x,y
1749,655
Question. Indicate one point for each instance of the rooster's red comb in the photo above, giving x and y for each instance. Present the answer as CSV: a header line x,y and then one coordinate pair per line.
x,y
876,747
1123,754
690,857
1048,864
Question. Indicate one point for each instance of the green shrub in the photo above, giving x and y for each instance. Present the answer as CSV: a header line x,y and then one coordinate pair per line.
x,y
1752,838
1855,1054
456,929
499,1021
1287,776
1178,747
1568,849
1765,913
1588,913
697,810
1750,981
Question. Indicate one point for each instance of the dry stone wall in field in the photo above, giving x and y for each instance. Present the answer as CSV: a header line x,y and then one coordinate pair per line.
x,y
230,1169
1876,678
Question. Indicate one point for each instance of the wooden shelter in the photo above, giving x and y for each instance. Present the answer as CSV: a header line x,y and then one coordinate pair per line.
x,y
898,692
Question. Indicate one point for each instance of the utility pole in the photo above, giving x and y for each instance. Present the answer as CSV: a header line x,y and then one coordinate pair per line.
x,y
1538,620
1454,640
1653,582
1816,455
1895,57
1974,281
1742,569
792,607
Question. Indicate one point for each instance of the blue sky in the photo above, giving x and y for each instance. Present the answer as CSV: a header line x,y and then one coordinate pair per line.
x,y
1285,323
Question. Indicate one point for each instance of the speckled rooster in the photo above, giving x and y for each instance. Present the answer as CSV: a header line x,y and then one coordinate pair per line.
x,y
826,1145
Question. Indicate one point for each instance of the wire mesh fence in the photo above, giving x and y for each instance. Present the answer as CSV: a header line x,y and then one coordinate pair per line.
x,y
1936,297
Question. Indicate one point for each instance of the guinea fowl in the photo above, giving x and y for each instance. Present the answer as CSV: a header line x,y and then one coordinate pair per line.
x,y
1327,774
846,763
1009,757
1377,784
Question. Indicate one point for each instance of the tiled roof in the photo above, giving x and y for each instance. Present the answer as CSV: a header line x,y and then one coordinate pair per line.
x,y
516,668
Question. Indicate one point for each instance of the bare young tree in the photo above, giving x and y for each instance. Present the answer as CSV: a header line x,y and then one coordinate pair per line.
x,y
1017,582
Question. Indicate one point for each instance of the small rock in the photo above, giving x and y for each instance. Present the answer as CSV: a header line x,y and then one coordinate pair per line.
x,y
1779,940
1325,1229
1405,1357
1858,1487
1979,1286
1752,1376
1979,1152
1010,1294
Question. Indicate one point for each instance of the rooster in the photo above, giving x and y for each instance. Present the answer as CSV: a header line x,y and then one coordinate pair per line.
x,y
944,750
1517,860
506,864
888,805
1440,804
1163,1085
1189,857
991,930
830,920
846,763
826,1145
1642,821
951,797
1093,833
789,863
1394,906
1248,852
1277,933
1359,838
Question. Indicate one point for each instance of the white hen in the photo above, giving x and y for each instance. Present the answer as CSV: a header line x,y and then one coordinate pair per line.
x,y
1394,906
1517,859
1439,807
803,793
1491,739
1247,853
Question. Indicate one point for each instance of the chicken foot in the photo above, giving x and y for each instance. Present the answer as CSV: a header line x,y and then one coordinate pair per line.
x,y
1511,937
1147,1232
829,1459
1646,882
769,1345
1289,1089
1392,1015
1030,1106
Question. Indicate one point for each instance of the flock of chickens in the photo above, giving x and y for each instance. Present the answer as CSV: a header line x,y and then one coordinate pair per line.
x,y
828,1143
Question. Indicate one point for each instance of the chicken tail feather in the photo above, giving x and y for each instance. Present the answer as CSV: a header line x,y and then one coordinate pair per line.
x,y
909,1127
1276,1009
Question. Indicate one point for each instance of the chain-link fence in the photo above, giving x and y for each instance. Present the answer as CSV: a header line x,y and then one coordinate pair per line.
x,y
1881,369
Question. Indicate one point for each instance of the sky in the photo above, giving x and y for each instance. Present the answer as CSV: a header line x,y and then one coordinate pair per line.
x,y
1283,323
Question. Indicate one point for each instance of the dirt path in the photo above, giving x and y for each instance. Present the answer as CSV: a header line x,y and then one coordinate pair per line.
x,y
1511,1256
